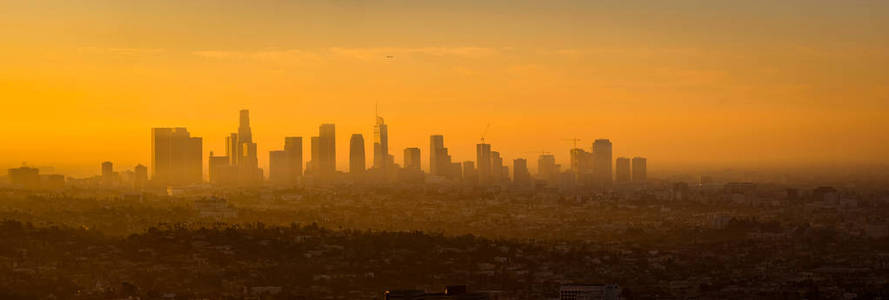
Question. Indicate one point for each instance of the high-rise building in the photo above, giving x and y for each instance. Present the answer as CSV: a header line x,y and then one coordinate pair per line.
x,y
602,162
140,177
521,177
293,145
315,155
176,157
412,158
25,177
547,169
497,175
381,144
357,161
221,170
231,149
640,169
327,150
622,170
107,173
279,172
249,172
483,163
470,175
436,146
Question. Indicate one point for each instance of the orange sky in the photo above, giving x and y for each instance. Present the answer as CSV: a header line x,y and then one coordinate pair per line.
x,y
705,83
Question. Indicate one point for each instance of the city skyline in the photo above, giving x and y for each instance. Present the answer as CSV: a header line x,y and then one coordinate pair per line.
x,y
736,84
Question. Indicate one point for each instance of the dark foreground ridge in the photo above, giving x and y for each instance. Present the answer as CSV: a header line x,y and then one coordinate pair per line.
x,y
311,262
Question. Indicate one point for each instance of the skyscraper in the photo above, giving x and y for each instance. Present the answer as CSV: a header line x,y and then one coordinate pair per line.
x,y
176,157
231,149
279,172
107,173
622,170
602,162
436,145
381,144
357,161
547,169
293,145
221,170
497,175
140,177
249,172
640,170
483,163
315,155
412,158
327,150
520,175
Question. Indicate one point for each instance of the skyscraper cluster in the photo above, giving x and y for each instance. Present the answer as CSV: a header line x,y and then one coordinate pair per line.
x,y
176,160
240,165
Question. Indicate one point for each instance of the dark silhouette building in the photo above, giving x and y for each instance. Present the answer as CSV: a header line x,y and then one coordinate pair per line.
x,y
412,158
640,169
176,157
357,162
602,159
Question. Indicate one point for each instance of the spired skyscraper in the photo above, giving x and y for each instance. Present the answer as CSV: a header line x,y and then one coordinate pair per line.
x,y
249,172
381,144
240,165
176,157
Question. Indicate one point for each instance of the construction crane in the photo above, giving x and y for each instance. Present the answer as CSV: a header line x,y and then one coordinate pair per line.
x,y
574,140
485,132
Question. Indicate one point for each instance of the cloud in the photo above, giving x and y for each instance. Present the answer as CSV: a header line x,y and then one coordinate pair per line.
x,y
375,53
272,56
121,51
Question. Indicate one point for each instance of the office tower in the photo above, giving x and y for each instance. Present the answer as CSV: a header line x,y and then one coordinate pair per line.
x,y
316,155
622,170
176,157
327,149
381,144
231,149
140,177
582,166
221,171
279,172
24,177
249,172
640,169
520,175
356,154
293,145
245,135
483,163
497,175
412,158
436,144
107,173
547,169
602,162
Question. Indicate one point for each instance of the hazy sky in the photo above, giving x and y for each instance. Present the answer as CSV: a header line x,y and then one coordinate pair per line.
x,y
717,83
